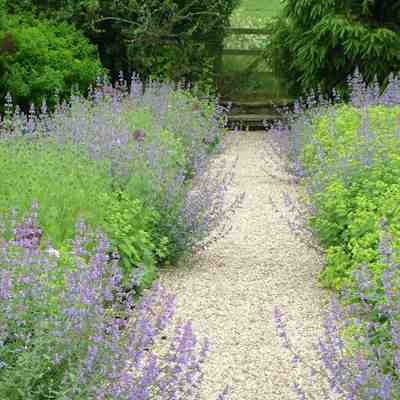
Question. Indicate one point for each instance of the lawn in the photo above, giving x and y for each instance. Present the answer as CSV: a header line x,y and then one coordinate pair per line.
x,y
260,8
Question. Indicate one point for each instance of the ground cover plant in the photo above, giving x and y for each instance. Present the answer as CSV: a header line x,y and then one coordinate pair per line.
x,y
346,157
64,326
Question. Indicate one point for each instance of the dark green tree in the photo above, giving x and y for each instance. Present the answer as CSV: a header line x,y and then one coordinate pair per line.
x,y
320,43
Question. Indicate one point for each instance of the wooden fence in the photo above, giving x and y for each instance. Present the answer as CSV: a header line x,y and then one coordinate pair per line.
x,y
218,52
248,52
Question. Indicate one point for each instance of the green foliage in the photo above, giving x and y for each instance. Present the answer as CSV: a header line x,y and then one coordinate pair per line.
x,y
318,44
175,151
354,164
64,181
2,13
170,40
356,194
38,58
130,225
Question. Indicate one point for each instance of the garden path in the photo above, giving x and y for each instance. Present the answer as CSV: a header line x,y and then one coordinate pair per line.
x,y
230,289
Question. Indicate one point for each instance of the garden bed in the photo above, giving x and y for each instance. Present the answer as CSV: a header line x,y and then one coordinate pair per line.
x,y
94,199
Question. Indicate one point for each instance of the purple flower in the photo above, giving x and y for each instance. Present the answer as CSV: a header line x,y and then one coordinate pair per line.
x,y
28,234
69,307
5,284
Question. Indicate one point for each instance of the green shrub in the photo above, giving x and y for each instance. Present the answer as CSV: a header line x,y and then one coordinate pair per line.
x,y
359,171
169,40
38,58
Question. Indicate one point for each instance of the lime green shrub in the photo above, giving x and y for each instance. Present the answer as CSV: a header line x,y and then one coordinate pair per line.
x,y
358,169
131,228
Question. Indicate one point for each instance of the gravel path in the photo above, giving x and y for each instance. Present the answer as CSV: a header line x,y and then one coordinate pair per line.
x,y
230,289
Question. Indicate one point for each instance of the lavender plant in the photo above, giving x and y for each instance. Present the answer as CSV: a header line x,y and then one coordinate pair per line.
x,y
65,329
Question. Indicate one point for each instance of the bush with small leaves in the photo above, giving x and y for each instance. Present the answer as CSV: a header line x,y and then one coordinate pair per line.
x,y
39,58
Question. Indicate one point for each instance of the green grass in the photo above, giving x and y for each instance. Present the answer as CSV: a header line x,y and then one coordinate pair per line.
x,y
261,8
236,81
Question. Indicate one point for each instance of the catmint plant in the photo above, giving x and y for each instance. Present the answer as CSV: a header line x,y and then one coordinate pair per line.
x,y
69,331
154,146
365,365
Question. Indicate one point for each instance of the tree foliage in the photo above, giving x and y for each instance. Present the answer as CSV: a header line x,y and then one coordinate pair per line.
x,y
320,43
174,39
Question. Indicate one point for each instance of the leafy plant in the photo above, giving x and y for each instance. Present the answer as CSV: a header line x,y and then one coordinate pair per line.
x,y
130,226
40,58
320,44
65,181
71,337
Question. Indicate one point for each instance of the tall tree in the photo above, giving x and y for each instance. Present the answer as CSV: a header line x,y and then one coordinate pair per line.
x,y
320,43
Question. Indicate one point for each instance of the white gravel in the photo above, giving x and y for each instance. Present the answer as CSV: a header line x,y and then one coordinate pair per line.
x,y
230,289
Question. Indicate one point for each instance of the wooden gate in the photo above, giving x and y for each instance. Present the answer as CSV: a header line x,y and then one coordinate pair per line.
x,y
251,72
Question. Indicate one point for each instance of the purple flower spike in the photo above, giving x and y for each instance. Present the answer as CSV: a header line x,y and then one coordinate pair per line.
x,y
28,234
5,284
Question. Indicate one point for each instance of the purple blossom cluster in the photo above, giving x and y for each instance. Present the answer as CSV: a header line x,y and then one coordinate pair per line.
x,y
68,331
289,139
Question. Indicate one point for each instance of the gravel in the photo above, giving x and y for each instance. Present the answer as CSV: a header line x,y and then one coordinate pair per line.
x,y
229,290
